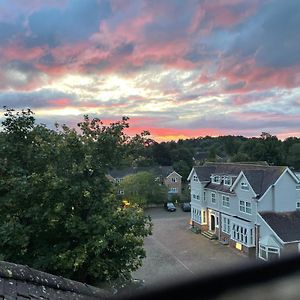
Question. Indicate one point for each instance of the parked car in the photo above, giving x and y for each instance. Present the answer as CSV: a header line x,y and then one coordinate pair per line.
x,y
169,206
186,206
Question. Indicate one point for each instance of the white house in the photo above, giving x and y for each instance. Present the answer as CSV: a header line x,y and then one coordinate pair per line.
x,y
254,208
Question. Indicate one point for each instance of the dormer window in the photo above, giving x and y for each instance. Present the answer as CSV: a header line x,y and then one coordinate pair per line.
x,y
216,179
244,186
227,180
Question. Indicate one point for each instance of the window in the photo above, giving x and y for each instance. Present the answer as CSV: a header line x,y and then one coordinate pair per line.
x,y
268,253
213,198
120,192
204,197
242,234
227,180
216,179
226,224
173,190
245,207
197,197
195,178
173,179
196,215
119,180
244,186
298,205
225,201
297,187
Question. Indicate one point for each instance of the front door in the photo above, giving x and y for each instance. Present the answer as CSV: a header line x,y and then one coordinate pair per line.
x,y
212,223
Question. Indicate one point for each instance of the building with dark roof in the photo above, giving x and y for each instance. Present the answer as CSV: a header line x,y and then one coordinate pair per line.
x,y
251,207
23,283
165,174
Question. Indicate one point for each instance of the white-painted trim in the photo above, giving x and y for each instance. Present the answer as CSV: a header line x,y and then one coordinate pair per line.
x,y
280,240
175,173
217,191
191,173
237,181
286,170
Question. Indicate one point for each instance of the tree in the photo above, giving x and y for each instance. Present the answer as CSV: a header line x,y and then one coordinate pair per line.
x,y
293,158
143,188
58,211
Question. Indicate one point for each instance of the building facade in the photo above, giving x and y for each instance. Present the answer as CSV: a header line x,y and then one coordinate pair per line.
x,y
244,206
164,174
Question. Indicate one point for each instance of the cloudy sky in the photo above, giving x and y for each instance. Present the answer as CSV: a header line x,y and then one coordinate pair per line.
x,y
178,68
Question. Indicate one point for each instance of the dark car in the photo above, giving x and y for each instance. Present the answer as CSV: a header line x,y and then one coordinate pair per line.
x,y
169,206
186,206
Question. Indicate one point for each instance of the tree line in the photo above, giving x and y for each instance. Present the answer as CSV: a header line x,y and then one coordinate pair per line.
x,y
182,154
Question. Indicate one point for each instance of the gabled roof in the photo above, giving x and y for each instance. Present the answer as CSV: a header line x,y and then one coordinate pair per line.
x,y
286,225
163,171
21,282
260,176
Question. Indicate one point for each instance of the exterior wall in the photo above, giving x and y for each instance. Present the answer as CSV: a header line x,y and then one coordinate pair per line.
x,y
282,197
196,204
169,182
286,194
231,210
246,196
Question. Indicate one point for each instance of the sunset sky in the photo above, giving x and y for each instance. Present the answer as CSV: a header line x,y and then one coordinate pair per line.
x,y
178,68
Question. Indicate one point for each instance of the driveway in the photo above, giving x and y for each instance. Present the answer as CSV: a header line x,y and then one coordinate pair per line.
x,y
174,252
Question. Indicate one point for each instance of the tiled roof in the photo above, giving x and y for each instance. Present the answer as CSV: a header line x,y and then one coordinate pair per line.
x,y
260,176
218,187
23,283
163,171
286,225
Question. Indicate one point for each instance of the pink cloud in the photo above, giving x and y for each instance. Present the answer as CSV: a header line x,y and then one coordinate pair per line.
x,y
258,77
60,102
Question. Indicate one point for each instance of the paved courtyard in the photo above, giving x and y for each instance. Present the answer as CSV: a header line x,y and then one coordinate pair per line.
x,y
174,252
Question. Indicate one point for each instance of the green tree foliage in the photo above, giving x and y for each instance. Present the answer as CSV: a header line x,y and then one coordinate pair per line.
x,y
143,188
58,211
293,158
182,168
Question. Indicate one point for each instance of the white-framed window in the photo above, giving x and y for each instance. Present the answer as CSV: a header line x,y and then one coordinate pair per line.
x,y
216,179
297,187
244,186
239,233
225,224
173,190
225,201
227,180
298,205
196,215
195,178
268,253
213,198
174,179
196,197
245,207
